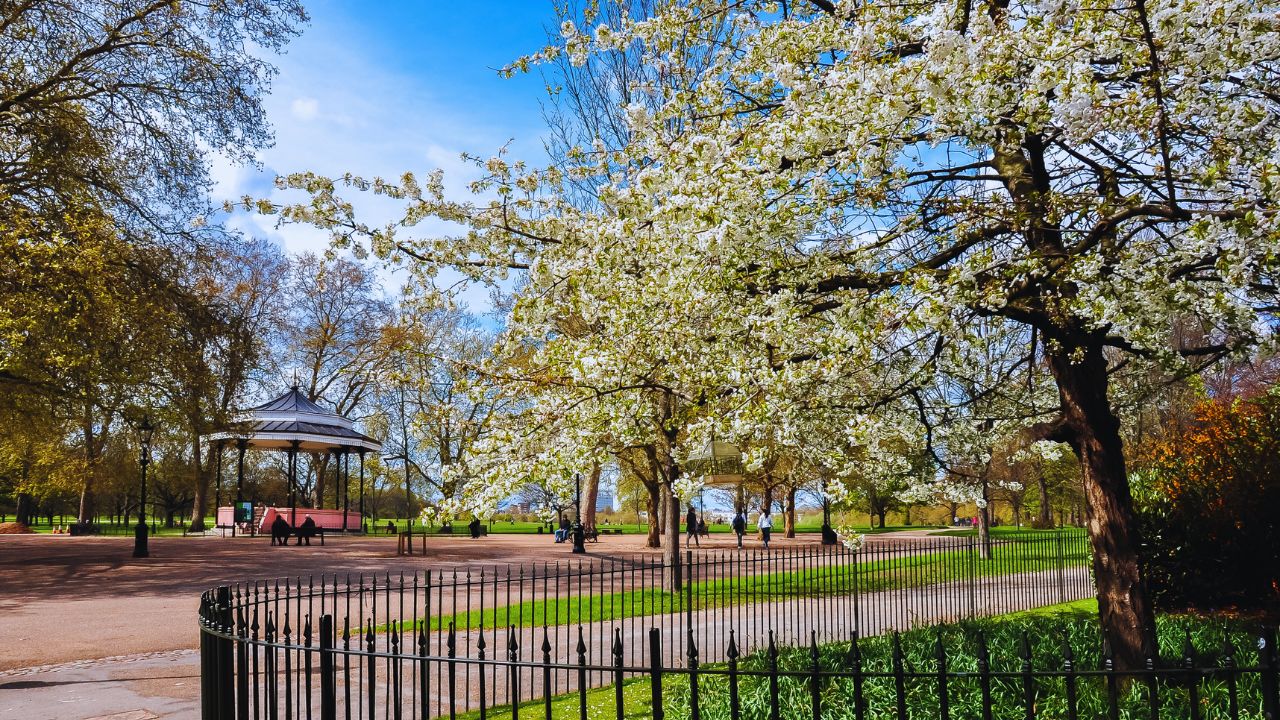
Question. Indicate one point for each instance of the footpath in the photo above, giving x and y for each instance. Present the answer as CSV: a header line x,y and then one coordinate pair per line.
x,y
166,684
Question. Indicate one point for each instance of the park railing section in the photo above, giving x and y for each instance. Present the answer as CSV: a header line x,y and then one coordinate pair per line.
x,y
569,638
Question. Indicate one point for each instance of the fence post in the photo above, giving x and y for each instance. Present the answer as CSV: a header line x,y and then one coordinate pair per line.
x,y
1229,664
1028,679
774,709
855,668
655,673
984,675
1069,676
1270,675
619,707
695,713
328,671
815,679
582,676
944,700
208,690
735,708
513,682
899,677
225,654
688,585
1193,678
242,665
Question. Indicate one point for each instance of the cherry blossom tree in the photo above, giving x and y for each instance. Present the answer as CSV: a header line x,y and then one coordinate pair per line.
x,y
848,186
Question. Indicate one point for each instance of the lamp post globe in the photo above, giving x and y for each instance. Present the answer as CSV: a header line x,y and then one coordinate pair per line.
x,y
579,534
145,431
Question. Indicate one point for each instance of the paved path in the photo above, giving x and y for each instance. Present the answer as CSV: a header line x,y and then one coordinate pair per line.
x,y
165,684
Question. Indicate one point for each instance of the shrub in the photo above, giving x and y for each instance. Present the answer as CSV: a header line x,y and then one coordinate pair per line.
x,y
1209,507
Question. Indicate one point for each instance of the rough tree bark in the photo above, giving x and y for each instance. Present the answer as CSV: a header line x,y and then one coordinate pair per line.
x,y
589,496
25,509
87,490
653,505
200,503
789,515
672,575
1044,518
1092,429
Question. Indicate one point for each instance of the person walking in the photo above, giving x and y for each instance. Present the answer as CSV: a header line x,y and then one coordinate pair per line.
x,y
740,526
691,528
765,525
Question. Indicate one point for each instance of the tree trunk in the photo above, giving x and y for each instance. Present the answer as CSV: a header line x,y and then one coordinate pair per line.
x,y
321,463
25,509
653,504
880,514
789,517
589,497
663,501
671,551
1044,518
90,470
199,504
984,518
1093,430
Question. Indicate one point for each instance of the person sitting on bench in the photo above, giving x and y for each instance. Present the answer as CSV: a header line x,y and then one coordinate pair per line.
x,y
280,531
563,533
307,530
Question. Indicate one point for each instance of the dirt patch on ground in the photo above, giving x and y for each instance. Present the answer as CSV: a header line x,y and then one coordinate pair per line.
x,y
13,528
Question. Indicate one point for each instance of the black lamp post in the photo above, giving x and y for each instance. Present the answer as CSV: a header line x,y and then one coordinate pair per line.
x,y
828,535
140,532
579,535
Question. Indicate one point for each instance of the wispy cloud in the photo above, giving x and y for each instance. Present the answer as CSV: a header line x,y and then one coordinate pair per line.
x,y
345,101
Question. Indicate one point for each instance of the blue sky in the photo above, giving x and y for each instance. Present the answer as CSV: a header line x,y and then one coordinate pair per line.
x,y
381,88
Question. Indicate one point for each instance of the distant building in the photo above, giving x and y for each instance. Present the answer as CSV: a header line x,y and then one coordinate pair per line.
x,y
604,500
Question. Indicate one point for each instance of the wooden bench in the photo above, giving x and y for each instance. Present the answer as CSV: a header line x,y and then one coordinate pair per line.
x,y
296,534
594,535
404,541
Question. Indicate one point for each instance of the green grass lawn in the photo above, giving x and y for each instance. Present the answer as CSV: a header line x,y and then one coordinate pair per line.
x,y
882,573
503,527
1010,531
119,529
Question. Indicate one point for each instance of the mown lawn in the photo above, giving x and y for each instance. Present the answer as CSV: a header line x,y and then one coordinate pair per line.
x,y
885,571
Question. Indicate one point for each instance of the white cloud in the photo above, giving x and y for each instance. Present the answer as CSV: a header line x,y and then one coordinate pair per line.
x,y
304,108
376,122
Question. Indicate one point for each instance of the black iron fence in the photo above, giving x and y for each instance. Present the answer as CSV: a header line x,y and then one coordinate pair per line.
x,y
563,636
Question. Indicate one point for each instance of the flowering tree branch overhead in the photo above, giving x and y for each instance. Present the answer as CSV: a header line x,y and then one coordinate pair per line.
x,y
843,184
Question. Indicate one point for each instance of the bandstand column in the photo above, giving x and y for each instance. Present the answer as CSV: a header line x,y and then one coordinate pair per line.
x,y
361,451
293,483
217,482
241,444
346,486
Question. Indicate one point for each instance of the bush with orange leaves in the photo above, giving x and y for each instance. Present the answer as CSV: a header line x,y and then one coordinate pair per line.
x,y
1209,505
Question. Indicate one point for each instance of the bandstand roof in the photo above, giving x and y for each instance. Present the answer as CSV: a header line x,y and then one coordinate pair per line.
x,y
276,424
719,463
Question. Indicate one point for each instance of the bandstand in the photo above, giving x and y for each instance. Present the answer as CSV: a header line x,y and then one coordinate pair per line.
x,y
294,424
